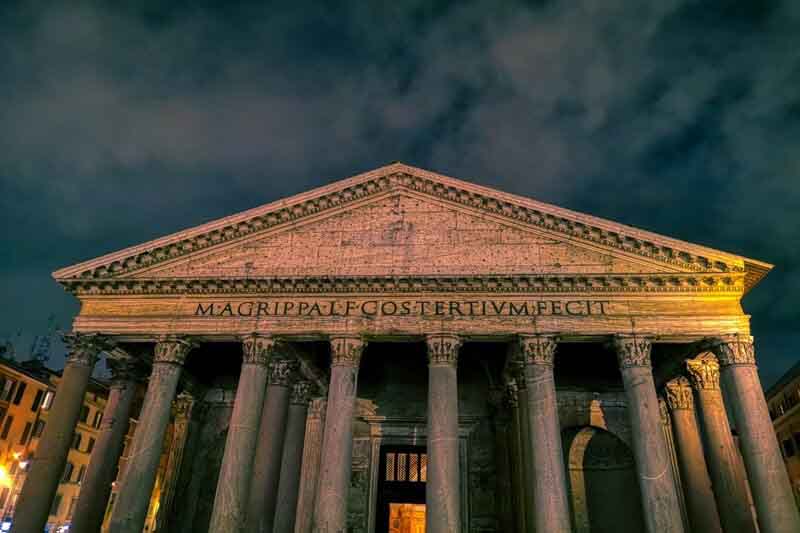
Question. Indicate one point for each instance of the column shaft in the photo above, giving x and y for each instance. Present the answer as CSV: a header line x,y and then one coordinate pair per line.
x,y
503,486
233,484
309,474
724,464
549,476
700,502
443,513
662,510
289,484
769,482
330,508
518,470
267,465
130,509
526,452
96,484
47,467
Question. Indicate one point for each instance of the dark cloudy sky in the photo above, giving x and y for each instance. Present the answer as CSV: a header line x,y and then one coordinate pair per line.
x,y
121,124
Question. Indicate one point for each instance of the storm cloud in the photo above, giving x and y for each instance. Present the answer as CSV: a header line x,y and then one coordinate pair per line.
x,y
120,124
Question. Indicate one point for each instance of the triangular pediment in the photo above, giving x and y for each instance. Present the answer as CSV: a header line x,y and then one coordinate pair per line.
x,y
403,221
404,234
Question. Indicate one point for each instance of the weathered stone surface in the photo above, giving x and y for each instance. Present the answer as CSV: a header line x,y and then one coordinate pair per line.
x,y
130,509
330,509
442,496
312,453
230,503
96,484
265,474
662,510
291,462
724,461
549,482
699,497
769,482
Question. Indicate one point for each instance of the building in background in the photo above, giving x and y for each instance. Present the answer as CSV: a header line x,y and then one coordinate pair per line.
x,y
26,395
783,399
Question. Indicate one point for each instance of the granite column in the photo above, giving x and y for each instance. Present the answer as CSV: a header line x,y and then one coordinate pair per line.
x,y
526,449
90,509
699,497
662,511
267,464
47,467
330,508
775,506
515,451
549,476
130,509
724,464
289,484
233,484
442,498
309,474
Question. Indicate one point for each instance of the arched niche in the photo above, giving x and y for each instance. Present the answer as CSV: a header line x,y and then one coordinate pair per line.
x,y
603,487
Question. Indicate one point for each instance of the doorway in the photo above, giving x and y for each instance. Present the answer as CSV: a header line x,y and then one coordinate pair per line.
x,y
401,490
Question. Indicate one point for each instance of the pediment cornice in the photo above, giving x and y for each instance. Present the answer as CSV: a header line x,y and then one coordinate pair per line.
x,y
678,255
595,284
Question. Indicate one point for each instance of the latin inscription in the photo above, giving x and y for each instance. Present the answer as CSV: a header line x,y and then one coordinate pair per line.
x,y
370,308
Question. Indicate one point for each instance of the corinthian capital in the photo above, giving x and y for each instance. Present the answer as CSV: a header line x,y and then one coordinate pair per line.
x,y
538,349
173,350
346,351
704,371
678,394
301,392
125,368
281,370
632,351
257,349
734,350
85,347
443,349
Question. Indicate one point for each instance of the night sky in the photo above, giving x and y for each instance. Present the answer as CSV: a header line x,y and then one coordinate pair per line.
x,y
122,124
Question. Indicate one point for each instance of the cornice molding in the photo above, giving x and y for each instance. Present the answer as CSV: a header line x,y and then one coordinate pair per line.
x,y
399,177
597,283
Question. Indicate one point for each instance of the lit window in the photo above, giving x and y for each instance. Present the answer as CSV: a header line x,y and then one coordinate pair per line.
x,y
48,400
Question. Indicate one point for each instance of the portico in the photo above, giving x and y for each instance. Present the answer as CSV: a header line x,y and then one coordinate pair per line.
x,y
517,348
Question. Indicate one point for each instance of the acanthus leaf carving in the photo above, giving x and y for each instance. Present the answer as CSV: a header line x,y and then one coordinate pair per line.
x,y
257,349
346,350
173,350
538,349
678,394
84,348
703,371
734,350
633,351
443,349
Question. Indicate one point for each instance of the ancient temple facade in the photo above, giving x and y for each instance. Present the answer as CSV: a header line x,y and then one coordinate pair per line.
x,y
402,352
